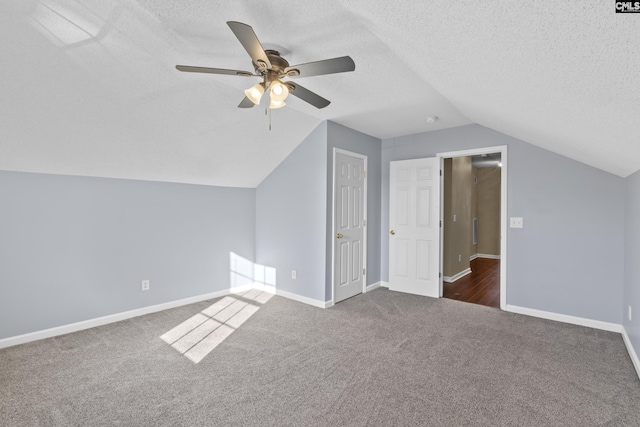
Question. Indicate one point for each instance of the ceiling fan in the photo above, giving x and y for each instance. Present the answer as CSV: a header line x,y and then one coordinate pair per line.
x,y
272,68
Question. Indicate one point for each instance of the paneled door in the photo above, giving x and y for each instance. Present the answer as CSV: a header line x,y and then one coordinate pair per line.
x,y
349,225
414,226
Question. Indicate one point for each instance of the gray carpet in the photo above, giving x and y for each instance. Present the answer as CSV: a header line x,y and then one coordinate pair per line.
x,y
379,359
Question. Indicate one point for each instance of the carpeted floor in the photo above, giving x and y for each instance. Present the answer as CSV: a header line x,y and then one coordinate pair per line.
x,y
378,359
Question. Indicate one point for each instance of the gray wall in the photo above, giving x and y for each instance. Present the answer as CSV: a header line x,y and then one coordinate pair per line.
x,y
293,211
77,248
632,260
568,258
290,218
348,139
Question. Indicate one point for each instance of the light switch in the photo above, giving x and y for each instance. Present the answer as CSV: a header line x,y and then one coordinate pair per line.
x,y
517,222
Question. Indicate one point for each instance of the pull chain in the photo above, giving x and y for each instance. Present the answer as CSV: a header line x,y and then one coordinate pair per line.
x,y
267,111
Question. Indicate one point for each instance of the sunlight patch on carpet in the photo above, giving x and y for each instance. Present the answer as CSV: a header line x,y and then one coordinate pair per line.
x,y
197,336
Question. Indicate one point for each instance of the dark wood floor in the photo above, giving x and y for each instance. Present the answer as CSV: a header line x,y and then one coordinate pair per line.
x,y
482,286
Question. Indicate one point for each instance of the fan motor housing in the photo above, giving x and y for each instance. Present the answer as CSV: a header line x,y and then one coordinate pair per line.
x,y
278,63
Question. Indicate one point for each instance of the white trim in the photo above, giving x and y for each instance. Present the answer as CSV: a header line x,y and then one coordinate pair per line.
x,y
441,219
451,279
503,227
472,152
489,256
365,158
243,288
256,285
632,352
305,300
384,284
564,318
374,286
112,318
503,150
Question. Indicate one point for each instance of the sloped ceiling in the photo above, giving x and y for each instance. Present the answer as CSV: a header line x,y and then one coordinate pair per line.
x,y
89,87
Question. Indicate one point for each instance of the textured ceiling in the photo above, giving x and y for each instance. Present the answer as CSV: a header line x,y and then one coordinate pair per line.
x,y
90,88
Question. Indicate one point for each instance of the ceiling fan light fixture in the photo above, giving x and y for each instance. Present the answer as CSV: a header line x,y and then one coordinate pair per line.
x,y
271,67
279,91
255,92
276,104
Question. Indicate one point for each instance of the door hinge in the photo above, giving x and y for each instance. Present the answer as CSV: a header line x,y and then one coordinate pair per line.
x,y
440,172
364,222
439,274
364,174
440,223
364,271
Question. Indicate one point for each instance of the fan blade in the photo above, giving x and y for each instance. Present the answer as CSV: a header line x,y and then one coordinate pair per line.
x,y
190,69
250,41
327,66
246,103
307,96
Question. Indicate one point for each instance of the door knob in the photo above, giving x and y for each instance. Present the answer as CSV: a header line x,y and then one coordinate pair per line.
x,y
392,232
339,236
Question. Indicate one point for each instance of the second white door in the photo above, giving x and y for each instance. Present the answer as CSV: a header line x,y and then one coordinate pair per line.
x,y
414,222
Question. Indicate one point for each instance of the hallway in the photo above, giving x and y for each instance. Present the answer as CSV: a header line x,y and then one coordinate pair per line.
x,y
481,286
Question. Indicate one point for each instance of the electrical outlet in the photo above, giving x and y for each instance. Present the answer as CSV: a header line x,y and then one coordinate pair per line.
x,y
293,274
455,218
459,258
517,222
629,313
145,285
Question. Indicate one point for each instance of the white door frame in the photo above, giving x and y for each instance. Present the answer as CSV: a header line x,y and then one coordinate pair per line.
x,y
502,149
337,150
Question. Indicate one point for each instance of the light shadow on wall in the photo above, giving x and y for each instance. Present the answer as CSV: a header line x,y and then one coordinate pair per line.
x,y
252,285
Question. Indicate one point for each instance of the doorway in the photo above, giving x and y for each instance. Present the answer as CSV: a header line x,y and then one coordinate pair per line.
x,y
473,236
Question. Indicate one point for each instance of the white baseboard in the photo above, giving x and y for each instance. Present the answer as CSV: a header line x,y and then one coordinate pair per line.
x,y
632,352
374,286
581,321
460,275
259,286
384,284
241,289
488,256
112,318
595,324
305,300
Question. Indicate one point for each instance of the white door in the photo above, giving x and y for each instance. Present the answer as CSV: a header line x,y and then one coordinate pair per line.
x,y
348,218
414,226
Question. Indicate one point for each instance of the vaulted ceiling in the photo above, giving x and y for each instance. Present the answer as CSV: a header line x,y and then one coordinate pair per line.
x,y
90,87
